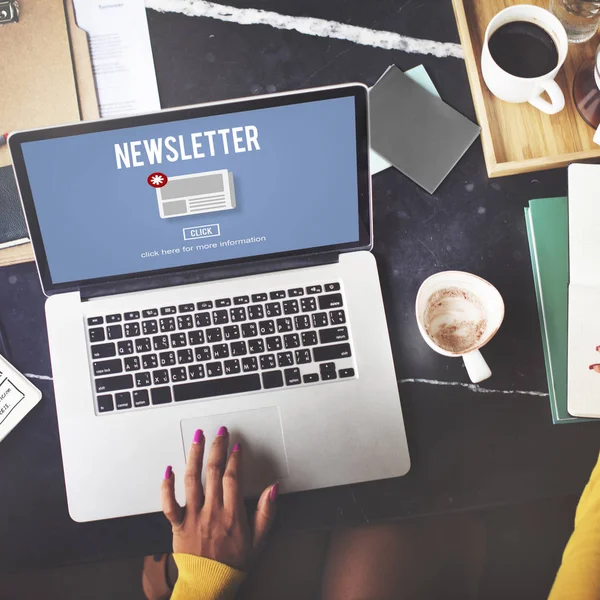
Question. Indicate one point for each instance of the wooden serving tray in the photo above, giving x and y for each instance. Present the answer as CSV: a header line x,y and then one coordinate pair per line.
x,y
518,138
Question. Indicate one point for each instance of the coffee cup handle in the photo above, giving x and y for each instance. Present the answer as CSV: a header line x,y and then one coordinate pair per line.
x,y
476,366
557,98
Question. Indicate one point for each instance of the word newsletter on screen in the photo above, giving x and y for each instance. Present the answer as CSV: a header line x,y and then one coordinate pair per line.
x,y
197,145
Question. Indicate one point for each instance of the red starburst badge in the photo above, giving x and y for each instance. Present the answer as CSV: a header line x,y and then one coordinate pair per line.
x,y
157,180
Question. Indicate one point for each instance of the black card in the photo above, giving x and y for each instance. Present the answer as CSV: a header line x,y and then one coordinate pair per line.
x,y
12,221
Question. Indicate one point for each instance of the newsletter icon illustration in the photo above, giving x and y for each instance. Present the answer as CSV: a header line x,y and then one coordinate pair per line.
x,y
196,194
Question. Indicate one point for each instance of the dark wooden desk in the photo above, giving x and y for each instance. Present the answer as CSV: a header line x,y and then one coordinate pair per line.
x,y
469,449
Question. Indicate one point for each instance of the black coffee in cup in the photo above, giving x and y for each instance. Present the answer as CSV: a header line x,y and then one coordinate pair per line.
x,y
523,49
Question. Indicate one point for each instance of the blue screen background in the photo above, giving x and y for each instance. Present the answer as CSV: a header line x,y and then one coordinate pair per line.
x,y
299,191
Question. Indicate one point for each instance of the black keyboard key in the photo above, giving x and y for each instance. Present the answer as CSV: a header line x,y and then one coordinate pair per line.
x,y
332,352
149,327
95,321
143,345
320,319
335,334
123,400
285,359
273,309
241,300
202,319
220,317
277,295
223,302
167,359
266,327
231,332
330,301
291,307
161,395
249,330
167,324
214,335
232,367
274,343
143,379
327,366
160,342
111,384
179,340
310,378
308,304
196,371
237,314
97,334
185,356
168,310
314,289
185,308
124,348
150,312
337,317
332,287
346,373
196,338
141,398
178,374
220,350
272,379
302,322
285,324
309,338
159,377
292,377
113,318
214,369
295,292
105,403
103,350
328,375
221,387
255,312
238,349
132,316
259,298
267,361
185,322
202,353
303,356
149,361
256,346
132,329
204,305
249,364
113,332
291,341
132,363
108,367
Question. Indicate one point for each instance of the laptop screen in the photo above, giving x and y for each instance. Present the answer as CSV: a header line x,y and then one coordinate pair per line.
x,y
196,191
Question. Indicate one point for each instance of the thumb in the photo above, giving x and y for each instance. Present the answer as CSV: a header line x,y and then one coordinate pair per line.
x,y
264,517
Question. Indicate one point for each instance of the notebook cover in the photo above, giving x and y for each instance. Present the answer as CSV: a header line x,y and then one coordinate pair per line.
x,y
12,221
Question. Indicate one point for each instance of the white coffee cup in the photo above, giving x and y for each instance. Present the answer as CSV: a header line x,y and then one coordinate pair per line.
x,y
457,314
511,88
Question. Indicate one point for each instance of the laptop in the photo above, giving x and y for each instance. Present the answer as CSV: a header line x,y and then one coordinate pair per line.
x,y
206,266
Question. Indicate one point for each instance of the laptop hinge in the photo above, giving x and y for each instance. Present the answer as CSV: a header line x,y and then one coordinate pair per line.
x,y
138,284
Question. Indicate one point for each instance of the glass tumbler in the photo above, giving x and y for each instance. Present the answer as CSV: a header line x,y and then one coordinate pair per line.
x,y
580,18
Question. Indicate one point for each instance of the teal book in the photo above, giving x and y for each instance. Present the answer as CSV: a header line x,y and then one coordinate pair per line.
x,y
547,221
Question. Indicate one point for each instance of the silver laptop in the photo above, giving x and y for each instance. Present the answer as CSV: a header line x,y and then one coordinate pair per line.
x,y
210,266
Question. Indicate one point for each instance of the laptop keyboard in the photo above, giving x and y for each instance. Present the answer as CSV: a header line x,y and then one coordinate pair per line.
x,y
197,351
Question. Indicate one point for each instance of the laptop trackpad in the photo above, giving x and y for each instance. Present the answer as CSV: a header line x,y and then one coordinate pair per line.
x,y
261,435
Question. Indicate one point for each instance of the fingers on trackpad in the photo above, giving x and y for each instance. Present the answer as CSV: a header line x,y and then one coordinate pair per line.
x,y
261,435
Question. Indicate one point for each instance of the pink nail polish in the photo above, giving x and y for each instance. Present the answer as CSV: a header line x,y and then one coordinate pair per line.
x,y
168,472
236,448
274,492
198,436
222,431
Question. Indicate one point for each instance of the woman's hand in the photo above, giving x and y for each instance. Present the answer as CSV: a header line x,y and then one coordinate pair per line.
x,y
214,524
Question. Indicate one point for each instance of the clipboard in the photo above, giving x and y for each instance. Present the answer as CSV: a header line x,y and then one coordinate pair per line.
x,y
48,79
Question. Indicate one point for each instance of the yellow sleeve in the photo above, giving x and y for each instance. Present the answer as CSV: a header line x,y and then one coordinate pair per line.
x,y
205,579
579,575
